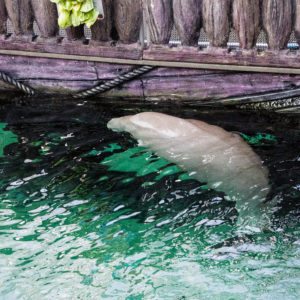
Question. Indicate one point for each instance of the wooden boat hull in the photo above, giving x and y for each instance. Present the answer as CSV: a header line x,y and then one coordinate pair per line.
x,y
57,76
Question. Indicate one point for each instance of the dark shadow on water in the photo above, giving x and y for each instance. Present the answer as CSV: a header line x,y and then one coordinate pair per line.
x,y
55,134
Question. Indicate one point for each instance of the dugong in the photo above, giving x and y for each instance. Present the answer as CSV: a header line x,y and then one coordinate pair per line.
x,y
211,155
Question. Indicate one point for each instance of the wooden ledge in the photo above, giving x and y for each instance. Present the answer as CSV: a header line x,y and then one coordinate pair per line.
x,y
63,46
278,59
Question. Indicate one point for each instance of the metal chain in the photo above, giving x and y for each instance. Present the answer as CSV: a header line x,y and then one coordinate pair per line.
x,y
114,83
275,105
26,89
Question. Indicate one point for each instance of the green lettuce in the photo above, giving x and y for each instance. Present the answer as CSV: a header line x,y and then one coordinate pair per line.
x,y
76,12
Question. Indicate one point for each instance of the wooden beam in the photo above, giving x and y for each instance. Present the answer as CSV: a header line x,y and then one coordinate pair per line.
x,y
21,16
3,17
167,64
159,18
277,21
251,60
101,30
246,21
128,19
187,19
216,21
75,33
58,76
45,14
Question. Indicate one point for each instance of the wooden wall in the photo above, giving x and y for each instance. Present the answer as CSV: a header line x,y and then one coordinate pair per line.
x,y
118,34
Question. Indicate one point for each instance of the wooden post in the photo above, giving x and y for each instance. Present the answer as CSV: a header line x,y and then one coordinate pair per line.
x,y
101,30
45,13
21,17
128,20
75,33
187,19
246,21
216,21
277,22
159,18
3,18
297,20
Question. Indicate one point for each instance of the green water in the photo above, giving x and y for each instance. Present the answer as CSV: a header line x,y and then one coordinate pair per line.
x,y
86,214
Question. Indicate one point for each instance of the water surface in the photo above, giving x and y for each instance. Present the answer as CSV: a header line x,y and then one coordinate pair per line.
x,y
87,214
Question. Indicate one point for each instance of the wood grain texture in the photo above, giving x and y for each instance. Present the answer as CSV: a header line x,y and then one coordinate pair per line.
x,y
46,76
132,51
3,17
159,18
128,19
246,21
277,22
75,33
296,6
283,58
214,86
216,21
101,30
187,19
21,15
45,13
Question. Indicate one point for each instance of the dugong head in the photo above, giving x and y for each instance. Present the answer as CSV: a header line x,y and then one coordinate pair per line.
x,y
152,125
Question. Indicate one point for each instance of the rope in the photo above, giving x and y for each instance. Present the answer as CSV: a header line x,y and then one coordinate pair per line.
x,y
26,89
114,83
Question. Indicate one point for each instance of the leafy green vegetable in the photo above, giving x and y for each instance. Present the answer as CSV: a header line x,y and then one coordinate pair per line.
x,y
76,12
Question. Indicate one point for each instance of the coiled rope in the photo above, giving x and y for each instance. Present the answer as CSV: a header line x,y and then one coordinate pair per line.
x,y
114,83
8,79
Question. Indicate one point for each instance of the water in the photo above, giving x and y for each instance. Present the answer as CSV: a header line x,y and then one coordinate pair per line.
x,y
86,214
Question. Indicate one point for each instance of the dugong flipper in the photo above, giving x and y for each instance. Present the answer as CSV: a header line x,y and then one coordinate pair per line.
x,y
210,154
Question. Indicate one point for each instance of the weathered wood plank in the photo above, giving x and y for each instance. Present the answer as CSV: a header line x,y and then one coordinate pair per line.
x,y
133,51
46,76
246,21
277,22
42,68
128,19
174,73
75,33
3,17
296,5
187,19
284,58
159,18
216,86
216,21
21,15
101,30
45,13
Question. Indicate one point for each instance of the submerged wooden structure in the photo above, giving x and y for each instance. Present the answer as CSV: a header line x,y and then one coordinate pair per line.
x,y
139,32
